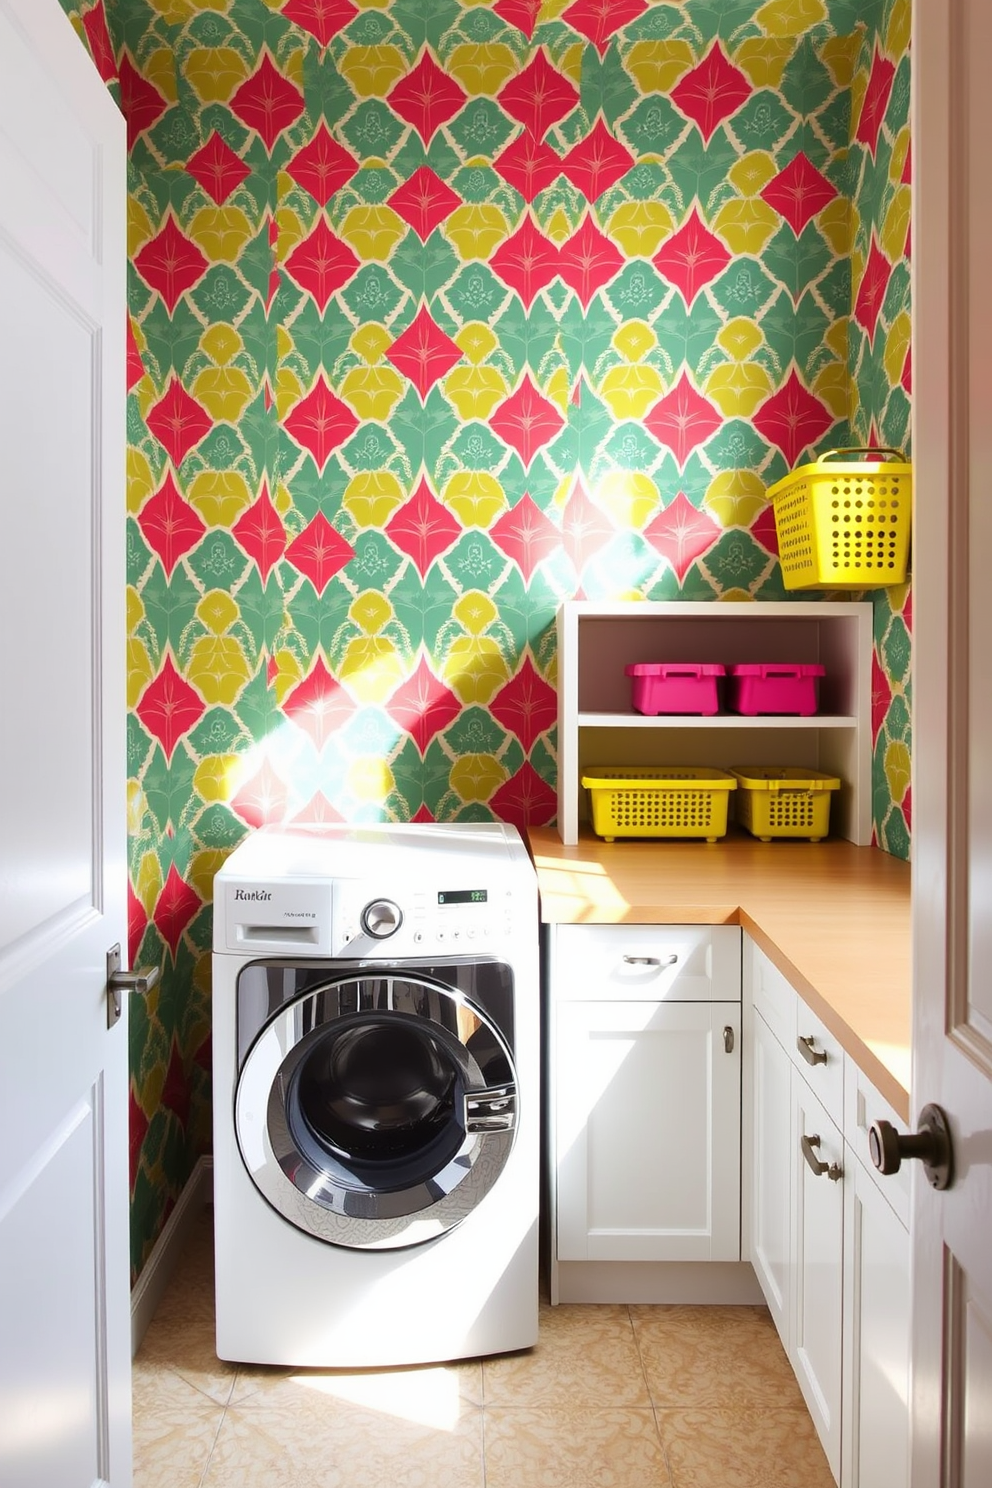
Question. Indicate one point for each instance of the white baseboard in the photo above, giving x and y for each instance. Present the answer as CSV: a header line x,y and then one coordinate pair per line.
x,y
158,1270
726,1283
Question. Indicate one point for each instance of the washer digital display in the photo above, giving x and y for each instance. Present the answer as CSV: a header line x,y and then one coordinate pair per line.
x,y
463,896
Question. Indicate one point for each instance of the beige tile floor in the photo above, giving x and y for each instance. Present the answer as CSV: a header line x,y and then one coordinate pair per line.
x,y
611,1397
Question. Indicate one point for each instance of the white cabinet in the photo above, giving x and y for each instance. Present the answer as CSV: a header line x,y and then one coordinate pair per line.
x,y
876,1304
645,1089
597,725
771,1167
817,1262
827,1236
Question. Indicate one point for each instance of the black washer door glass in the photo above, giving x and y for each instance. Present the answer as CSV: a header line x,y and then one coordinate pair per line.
x,y
379,1097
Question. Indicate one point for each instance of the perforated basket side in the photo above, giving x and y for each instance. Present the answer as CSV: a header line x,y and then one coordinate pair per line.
x,y
794,526
864,525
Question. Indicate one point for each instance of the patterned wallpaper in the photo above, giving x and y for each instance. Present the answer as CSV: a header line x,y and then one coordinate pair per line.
x,y
442,313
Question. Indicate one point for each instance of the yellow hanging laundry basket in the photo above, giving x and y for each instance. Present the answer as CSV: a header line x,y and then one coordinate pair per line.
x,y
843,521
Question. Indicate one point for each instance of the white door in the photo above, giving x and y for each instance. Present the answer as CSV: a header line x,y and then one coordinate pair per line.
x,y
64,1304
952,791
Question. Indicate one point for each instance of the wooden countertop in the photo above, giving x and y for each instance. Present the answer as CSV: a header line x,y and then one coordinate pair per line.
x,y
834,918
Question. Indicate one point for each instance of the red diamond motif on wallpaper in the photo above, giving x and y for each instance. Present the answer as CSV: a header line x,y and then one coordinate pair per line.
x,y
792,419
177,904
263,798
588,260
711,92
171,263
260,532
175,1095
217,169
318,705
322,264
100,45
137,1129
683,420
135,366
871,291
424,353
881,697
597,162
427,97
320,552
526,420
682,534
692,257
323,166
267,102
178,421
137,924
527,261
318,809
876,101
528,165
584,528
520,13
539,96
526,535
600,20
141,104
424,201
423,528
320,422
526,706
169,525
322,18
169,707
525,800
799,191
423,706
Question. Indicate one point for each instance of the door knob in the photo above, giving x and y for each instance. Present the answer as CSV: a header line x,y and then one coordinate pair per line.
x,y
119,982
931,1143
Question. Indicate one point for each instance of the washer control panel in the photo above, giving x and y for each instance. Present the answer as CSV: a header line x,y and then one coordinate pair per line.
x,y
420,921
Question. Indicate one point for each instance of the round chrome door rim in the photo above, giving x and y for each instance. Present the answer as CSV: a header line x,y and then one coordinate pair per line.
x,y
343,1215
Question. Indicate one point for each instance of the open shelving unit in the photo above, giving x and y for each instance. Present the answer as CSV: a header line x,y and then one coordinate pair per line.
x,y
597,724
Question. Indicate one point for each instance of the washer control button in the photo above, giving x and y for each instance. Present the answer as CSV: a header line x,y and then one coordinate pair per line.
x,y
381,918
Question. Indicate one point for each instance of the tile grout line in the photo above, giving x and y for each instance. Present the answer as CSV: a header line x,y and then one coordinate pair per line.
x,y
654,1408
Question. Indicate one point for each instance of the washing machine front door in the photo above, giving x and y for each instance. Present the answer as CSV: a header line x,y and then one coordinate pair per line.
x,y
377,1110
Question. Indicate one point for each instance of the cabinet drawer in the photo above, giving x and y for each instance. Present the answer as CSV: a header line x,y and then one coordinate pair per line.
x,y
862,1106
656,963
819,1058
772,996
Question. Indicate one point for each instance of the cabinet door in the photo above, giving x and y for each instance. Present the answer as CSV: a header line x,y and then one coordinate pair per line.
x,y
877,1341
771,1172
818,1249
648,1131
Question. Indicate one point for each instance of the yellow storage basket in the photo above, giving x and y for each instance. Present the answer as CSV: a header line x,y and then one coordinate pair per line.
x,y
784,803
633,801
843,521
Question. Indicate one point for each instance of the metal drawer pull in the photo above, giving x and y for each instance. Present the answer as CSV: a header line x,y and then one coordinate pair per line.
x,y
811,1055
832,1170
728,1039
650,960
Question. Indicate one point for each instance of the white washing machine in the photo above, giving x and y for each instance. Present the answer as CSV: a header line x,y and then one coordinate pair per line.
x,y
376,1034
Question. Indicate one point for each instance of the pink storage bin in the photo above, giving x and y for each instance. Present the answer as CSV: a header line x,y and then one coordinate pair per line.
x,y
675,686
774,687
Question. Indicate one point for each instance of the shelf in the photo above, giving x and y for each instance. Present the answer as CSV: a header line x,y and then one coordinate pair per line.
x,y
597,727
715,721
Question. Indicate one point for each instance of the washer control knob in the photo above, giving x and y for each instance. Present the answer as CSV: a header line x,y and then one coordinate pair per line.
x,y
381,918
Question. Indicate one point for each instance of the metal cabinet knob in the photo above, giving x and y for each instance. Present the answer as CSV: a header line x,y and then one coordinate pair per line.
x,y
931,1143
119,982
650,960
